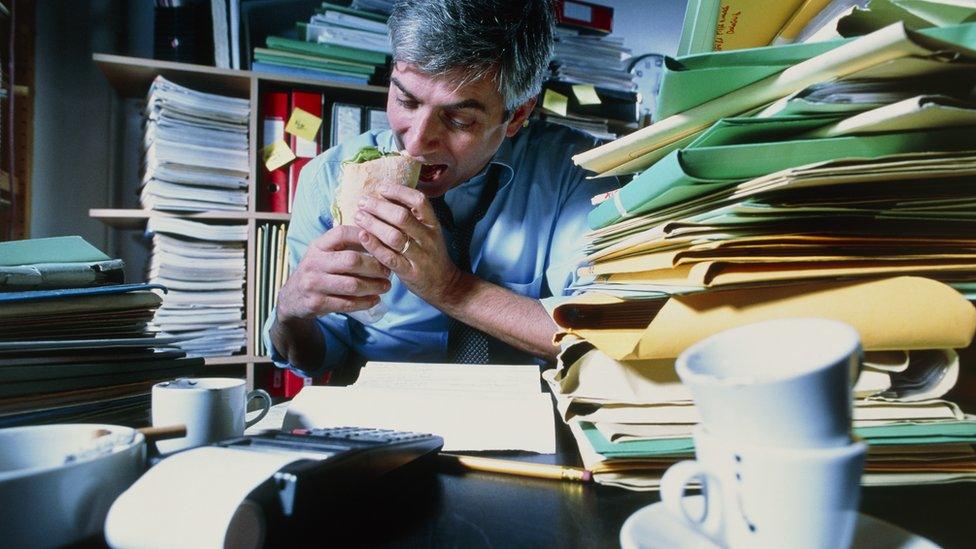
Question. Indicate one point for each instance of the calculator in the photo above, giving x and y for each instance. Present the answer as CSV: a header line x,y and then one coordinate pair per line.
x,y
333,461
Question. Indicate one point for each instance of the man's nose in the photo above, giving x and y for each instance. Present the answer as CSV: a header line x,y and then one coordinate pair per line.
x,y
423,136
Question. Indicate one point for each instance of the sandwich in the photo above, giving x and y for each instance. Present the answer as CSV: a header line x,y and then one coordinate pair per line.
x,y
361,175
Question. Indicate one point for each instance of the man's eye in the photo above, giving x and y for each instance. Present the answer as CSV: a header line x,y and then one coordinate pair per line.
x,y
458,123
407,103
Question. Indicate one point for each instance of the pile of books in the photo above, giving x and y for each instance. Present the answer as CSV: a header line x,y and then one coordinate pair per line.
x,y
829,179
336,43
195,150
75,342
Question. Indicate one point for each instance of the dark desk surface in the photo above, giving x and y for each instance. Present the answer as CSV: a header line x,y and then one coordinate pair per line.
x,y
474,510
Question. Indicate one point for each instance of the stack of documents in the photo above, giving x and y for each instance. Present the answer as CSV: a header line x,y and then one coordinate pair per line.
x,y
75,342
336,43
633,419
591,59
202,265
195,150
828,180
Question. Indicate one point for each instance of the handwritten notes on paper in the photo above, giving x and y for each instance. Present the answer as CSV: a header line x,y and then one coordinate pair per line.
x,y
303,124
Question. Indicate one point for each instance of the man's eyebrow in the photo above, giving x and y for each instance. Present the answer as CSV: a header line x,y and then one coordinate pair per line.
x,y
465,104
402,89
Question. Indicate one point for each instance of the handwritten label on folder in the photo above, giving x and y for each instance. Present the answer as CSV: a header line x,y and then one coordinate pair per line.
x,y
277,155
303,124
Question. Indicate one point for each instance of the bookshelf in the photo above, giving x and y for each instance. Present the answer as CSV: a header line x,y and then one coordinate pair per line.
x,y
131,77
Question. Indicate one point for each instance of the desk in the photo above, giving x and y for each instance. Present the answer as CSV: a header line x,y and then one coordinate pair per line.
x,y
474,510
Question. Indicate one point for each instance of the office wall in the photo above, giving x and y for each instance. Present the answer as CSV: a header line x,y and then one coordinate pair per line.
x,y
648,26
75,111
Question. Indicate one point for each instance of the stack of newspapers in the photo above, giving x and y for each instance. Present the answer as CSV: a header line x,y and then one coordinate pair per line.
x,y
202,266
195,150
829,180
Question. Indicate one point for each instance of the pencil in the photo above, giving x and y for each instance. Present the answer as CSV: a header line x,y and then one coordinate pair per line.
x,y
520,468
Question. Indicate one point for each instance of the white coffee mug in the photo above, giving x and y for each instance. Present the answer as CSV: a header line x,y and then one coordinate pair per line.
x,y
784,382
212,409
759,496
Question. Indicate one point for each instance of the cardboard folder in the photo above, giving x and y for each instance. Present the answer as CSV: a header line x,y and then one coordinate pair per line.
x,y
641,149
890,314
693,173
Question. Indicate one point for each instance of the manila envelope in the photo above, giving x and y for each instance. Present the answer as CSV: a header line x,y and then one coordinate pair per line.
x,y
901,313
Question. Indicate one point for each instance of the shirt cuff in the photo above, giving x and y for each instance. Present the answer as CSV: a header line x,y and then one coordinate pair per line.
x,y
335,350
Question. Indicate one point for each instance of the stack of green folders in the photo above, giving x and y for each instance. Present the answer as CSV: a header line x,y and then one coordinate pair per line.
x,y
830,179
336,43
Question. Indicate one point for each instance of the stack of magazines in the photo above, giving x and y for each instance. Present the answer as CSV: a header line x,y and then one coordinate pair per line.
x,y
195,150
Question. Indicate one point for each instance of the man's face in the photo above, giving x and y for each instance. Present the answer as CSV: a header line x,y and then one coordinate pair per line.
x,y
453,130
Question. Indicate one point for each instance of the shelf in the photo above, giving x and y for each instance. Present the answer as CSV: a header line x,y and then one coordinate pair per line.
x,y
235,359
131,77
136,218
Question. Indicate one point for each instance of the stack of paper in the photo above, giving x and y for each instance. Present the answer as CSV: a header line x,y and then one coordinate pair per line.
x,y
804,180
337,43
78,345
202,265
633,419
591,59
195,150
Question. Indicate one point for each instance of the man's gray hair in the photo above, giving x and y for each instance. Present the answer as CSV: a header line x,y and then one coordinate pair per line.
x,y
509,41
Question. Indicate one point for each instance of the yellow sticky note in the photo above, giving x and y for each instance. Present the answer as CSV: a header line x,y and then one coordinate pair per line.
x,y
555,102
303,124
586,94
277,155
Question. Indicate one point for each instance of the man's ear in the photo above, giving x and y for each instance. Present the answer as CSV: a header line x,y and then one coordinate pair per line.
x,y
519,116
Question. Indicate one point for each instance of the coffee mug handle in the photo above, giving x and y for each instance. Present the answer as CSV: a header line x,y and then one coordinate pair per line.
x,y
673,485
262,394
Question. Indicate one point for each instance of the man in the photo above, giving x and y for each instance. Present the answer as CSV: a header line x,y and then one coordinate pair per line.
x,y
465,79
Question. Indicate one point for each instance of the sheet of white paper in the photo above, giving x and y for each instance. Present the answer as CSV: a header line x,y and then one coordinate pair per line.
x,y
466,420
489,378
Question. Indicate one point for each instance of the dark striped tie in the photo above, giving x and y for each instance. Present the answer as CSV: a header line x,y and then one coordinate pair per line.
x,y
465,345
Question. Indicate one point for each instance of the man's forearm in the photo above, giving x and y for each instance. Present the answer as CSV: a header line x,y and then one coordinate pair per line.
x,y
517,320
300,342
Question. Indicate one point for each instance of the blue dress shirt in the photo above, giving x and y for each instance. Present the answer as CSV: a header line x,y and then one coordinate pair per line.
x,y
528,241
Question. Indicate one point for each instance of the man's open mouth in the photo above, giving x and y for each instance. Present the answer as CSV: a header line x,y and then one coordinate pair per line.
x,y
430,172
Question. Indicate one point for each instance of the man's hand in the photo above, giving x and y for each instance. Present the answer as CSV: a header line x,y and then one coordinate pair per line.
x,y
402,232
336,275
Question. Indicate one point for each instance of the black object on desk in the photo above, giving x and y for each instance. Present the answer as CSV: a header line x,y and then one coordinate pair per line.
x,y
334,461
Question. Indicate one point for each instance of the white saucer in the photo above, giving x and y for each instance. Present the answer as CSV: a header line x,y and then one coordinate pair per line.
x,y
654,526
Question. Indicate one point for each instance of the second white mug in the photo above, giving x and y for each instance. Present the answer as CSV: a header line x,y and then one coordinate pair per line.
x,y
758,496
